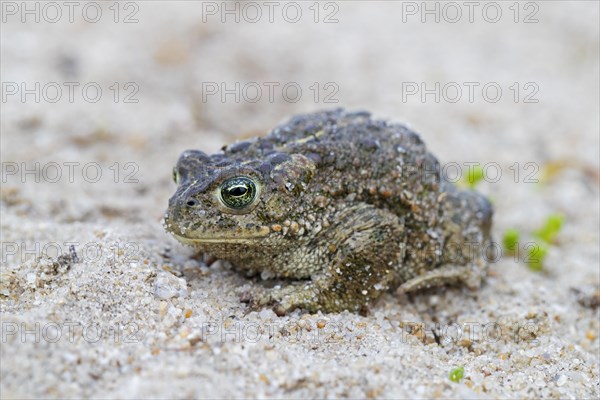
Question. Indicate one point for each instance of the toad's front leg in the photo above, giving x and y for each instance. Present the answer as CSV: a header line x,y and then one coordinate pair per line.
x,y
364,248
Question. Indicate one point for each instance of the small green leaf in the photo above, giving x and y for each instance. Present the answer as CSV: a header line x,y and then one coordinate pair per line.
x,y
551,228
457,374
510,240
536,253
474,176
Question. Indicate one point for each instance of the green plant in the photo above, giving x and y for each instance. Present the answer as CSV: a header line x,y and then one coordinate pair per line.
x,y
537,250
457,374
510,240
474,176
551,228
536,253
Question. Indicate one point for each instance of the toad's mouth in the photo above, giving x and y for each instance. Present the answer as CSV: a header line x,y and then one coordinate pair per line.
x,y
238,236
223,239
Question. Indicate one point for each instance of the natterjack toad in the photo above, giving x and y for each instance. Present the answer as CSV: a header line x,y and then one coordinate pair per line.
x,y
340,206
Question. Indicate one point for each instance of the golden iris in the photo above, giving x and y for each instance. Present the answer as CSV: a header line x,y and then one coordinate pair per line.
x,y
238,193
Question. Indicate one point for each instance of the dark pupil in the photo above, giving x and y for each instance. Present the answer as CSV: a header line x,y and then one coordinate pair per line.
x,y
238,191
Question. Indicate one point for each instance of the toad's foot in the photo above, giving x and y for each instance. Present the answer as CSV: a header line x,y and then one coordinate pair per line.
x,y
469,275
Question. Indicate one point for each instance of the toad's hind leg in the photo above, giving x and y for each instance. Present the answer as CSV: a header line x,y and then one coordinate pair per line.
x,y
366,242
469,275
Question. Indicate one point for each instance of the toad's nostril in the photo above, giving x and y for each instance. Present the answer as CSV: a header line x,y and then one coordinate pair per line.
x,y
191,202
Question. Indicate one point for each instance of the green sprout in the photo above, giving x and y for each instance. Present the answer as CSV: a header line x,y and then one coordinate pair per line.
x,y
551,227
536,253
474,176
537,250
457,374
510,240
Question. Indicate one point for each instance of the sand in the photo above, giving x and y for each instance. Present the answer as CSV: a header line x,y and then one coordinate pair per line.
x,y
132,313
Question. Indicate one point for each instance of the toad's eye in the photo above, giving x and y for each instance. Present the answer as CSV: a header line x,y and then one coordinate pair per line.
x,y
238,193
